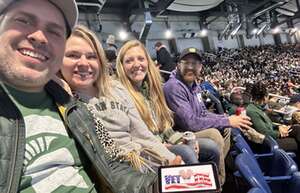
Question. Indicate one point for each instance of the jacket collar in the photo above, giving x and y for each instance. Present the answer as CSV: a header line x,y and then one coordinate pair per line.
x,y
59,95
55,91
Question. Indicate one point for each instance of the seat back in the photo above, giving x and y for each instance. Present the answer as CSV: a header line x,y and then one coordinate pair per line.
x,y
235,132
250,171
282,164
242,145
294,183
256,190
271,143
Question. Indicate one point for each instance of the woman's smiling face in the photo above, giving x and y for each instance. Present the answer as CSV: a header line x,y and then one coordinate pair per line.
x,y
81,64
135,65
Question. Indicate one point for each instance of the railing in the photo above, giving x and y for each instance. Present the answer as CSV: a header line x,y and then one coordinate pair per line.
x,y
237,88
279,96
164,71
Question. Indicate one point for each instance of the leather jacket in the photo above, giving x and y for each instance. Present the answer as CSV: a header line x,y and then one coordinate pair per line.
x,y
112,176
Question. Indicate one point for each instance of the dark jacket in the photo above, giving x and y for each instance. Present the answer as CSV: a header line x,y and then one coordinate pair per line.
x,y
165,60
260,121
114,177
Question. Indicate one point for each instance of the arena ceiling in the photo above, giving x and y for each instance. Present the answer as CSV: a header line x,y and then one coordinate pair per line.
x,y
248,14
189,6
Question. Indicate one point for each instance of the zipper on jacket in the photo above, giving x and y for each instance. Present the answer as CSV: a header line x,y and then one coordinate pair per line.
x,y
90,140
14,157
85,133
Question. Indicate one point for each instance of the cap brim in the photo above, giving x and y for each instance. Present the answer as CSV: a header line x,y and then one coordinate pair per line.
x,y
69,9
195,54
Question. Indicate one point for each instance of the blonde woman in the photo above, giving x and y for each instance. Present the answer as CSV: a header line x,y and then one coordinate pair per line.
x,y
137,72
84,69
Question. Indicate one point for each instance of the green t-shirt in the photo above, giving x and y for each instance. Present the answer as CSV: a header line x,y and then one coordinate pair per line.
x,y
52,162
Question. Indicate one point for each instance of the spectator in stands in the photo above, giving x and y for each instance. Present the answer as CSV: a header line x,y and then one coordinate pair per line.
x,y
288,137
236,100
111,44
111,61
111,54
211,86
43,148
110,100
164,59
294,107
184,98
269,63
295,101
137,72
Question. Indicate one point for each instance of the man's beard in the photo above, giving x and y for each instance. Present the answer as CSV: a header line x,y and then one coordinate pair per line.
x,y
187,70
12,73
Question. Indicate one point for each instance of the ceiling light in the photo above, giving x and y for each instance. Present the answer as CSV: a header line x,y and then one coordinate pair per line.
x,y
254,31
168,34
203,33
123,35
276,30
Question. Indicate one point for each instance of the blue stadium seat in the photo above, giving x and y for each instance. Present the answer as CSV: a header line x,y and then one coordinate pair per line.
x,y
281,168
271,143
242,145
235,132
265,160
256,190
250,171
282,178
294,184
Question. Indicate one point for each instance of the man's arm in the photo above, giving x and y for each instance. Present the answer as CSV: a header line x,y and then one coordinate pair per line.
x,y
178,102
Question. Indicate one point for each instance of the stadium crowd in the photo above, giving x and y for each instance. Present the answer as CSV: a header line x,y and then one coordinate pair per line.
x,y
278,66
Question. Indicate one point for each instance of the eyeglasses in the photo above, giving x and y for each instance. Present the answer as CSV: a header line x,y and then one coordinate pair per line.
x,y
193,63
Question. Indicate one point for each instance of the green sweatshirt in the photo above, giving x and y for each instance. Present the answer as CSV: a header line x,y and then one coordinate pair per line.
x,y
261,122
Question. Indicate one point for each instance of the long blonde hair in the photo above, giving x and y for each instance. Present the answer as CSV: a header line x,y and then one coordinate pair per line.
x,y
103,81
157,99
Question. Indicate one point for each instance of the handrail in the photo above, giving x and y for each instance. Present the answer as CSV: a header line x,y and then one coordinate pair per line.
x,y
238,87
279,96
164,71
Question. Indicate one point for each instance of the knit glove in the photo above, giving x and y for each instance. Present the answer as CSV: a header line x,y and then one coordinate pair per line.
x,y
253,135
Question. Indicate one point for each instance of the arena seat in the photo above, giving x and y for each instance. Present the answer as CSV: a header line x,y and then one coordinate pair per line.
x,y
282,178
242,145
256,190
250,171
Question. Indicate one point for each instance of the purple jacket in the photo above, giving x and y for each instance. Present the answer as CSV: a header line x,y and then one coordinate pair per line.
x,y
190,111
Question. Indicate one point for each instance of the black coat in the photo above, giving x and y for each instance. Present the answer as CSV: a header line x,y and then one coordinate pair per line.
x,y
165,60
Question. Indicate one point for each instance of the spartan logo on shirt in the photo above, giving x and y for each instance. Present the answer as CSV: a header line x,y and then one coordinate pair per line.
x,y
51,158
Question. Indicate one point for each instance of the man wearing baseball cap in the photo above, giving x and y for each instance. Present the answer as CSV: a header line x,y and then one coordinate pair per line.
x,y
47,139
183,96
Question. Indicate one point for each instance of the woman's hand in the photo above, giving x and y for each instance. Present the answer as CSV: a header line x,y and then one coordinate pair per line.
x,y
167,145
177,161
284,130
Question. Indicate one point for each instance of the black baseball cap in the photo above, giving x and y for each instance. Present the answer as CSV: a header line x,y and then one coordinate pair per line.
x,y
191,50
